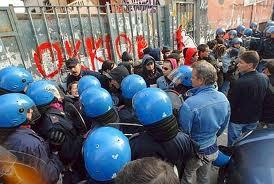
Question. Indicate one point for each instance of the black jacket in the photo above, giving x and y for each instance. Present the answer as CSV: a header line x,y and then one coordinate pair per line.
x,y
149,77
32,150
246,97
103,79
175,151
268,106
267,47
70,150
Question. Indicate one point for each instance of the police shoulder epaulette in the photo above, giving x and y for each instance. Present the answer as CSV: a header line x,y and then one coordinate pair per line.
x,y
134,136
54,118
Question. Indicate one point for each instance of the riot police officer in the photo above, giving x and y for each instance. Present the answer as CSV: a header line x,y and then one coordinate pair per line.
x,y
14,80
98,108
162,138
267,47
106,150
17,112
61,131
240,30
231,34
254,28
86,82
181,79
130,85
220,32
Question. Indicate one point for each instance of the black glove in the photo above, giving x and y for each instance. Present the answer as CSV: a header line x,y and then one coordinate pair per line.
x,y
56,136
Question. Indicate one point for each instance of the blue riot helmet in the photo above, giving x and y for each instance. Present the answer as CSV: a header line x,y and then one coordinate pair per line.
x,y
248,32
14,108
269,23
222,160
181,75
253,25
220,31
86,82
232,34
131,85
105,151
43,92
240,29
236,41
269,31
151,105
97,104
14,79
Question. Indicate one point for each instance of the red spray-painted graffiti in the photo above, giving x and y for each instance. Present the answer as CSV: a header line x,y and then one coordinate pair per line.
x,y
92,46
42,48
179,38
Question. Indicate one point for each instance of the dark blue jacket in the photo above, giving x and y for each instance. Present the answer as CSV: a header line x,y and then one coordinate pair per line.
x,y
175,151
32,150
70,150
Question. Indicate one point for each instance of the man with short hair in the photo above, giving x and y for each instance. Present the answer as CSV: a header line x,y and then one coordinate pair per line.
x,y
204,116
76,72
204,54
147,170
246,96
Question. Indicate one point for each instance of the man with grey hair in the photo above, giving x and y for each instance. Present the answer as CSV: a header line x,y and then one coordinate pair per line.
x,y
203,116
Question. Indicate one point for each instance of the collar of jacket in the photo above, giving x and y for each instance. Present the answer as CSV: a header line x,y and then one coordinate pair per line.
x,y
197,90
248,73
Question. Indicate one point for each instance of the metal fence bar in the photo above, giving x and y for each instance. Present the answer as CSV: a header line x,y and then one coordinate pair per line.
x,y
90,24
148,31
159,31
124,20
132,36
177,15
136,22
47,30
70,26
117,22
193,20
111,33
82,31
33,28
18,36
59,31
172,30
102,30
153,28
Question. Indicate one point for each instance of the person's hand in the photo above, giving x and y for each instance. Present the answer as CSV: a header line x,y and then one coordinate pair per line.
x,y
57,136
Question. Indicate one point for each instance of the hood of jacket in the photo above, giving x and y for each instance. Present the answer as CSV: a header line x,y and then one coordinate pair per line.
x,y
189,54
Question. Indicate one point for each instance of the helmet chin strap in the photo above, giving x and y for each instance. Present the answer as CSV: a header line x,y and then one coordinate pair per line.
x,y
109,117
163,130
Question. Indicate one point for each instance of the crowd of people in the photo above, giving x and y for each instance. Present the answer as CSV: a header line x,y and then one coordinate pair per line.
x,y
119,125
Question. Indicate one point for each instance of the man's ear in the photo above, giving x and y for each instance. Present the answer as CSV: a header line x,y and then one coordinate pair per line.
x,y
250,65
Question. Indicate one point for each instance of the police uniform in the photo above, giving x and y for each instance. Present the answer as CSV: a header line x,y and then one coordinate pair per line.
x,y
175,151
27,142
57,119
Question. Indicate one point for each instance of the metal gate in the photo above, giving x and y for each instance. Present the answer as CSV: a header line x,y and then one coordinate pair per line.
x,y
45,36
11,50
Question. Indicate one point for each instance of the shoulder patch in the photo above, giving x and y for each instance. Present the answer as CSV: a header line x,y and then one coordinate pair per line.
x,y
54,119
